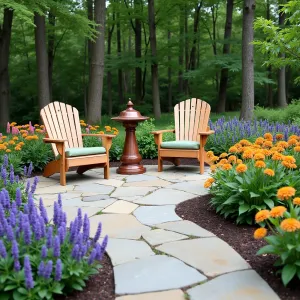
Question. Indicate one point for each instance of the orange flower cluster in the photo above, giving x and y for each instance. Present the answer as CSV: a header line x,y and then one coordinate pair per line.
x,y
95,128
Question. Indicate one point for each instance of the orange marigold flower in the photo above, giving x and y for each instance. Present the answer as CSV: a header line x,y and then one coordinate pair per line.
x,y
267,152
239,161
282,144
277,211
290,225
233,149
260,164
259,156
297,149
293,166
277,156
248,154
4,136
209,182
288,165
268,136
279,136
293,136
289,159
292,142
245,142
260,233
241,168
214,158
259,141
227,167
296,201
269,172
210,154
18,148
8,150
213,168
286,192
223,155
15,138
268,144
11,142
262,215
232,158
223,161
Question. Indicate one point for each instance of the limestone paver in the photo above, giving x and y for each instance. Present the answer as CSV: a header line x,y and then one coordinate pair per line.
x,y
118,226
94,188
154,273
192,187
95,198
46,183
58,189
142,177
165,197
120,207
130,199
79,203
212,256
131,191
152,215
166,295
111,182
245,285
50,198
121,251
186,227
160,236
157,182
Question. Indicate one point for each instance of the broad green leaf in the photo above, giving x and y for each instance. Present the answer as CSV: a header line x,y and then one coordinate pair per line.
x,y
42,293
268,249
10,287
230,200
77,287
269,202
243,208
273,239
253,195
288,272
232,185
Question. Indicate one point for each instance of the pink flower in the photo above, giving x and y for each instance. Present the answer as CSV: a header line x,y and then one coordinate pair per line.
x,y
15,130
87,130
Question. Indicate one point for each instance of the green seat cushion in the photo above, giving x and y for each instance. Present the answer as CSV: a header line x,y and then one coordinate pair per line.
x,y
70,152
188,145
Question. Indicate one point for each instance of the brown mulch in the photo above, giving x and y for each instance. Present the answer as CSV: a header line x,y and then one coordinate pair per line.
x,y
240,238
99,287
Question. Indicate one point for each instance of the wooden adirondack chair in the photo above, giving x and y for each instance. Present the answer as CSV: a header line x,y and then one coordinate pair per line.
x,y
191,130
62,125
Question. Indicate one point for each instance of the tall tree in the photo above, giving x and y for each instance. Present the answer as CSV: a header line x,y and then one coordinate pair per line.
x,y
42,60
247,61
170,105
97,65
281,72
5,36
154,65
119,50
181,49
51,48
226,51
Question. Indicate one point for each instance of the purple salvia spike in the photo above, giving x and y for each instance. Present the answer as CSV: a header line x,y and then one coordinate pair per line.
x,y
10,233
104,243
59,201
99,252
98,233
27,233
48,269
4,175
11,174
74,230
44,252
29,283
5,161
14,208
34,185
12,219
37,229
92,257
17,265
56,246
26,209
62,232
15,249
2,231
79,218
75,252
56,214
49,237
41,269
27,186
58,270
42,227
3,252
30,168
25,170
17,178
43,211
86,228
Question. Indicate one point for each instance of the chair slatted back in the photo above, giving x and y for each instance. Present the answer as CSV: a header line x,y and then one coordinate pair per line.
x,y
62,122
191,117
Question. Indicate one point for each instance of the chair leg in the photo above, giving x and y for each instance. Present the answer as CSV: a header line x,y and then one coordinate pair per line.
x,y
62,170
51,168
159,164
201,160
106,171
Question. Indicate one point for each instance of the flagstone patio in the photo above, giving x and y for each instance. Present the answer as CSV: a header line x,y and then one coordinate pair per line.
x,y
156,254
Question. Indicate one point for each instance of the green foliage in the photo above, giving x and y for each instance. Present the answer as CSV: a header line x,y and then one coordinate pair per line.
x,y
284,244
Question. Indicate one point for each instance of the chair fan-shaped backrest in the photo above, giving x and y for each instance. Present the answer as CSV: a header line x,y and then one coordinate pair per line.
x,y
191,117
62,122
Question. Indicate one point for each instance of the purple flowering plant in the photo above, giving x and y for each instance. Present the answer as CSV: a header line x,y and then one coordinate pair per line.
x,y
40,257
228,133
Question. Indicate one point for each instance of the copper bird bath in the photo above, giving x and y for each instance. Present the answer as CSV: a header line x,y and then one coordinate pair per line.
x,y
131,158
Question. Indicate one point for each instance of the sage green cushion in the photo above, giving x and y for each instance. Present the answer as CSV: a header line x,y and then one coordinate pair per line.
x,y
70,152
189,145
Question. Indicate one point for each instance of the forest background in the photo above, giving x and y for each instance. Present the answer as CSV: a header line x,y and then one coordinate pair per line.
x,y
95,54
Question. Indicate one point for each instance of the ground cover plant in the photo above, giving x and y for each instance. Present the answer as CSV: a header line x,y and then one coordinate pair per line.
x,y
246,179
40,257
283,221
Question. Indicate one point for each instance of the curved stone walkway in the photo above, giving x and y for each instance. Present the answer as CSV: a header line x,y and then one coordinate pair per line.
x,y
156,254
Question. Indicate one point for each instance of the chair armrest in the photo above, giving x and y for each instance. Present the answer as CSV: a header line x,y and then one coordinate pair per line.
x,y
55,141
99,135
209,132
163,131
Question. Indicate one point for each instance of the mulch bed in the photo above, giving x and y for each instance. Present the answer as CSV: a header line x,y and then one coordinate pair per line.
x,y
240,238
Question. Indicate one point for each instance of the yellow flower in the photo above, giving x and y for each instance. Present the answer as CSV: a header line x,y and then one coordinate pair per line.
x,y
15,138
11,142
290,225
81,121
259,141
223,161
214,158
289,159
268,136
245,143
269,172
8,150
209,154
282,144
239,161
233,149
4,137
267,152
260,233
292,142
279,136
262,215
260,164
227,167
294,137
297,149
13,124
241,168
18,148
208,182
259,156
268,144
277,211
289,165
116,132
232,159
296,201
213,168
248,154
286,192
82,124
277,156
97,126
24,135
101,132
223,155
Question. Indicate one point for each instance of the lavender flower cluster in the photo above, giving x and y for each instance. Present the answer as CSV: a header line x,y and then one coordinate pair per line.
x,y
227,133
44,250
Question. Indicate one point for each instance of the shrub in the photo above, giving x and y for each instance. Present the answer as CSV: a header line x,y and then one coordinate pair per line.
x,y
284,224
39,259
241,188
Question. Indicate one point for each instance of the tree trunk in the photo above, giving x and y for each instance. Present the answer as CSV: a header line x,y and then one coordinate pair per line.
x,y
97,66
170,105
226,50
119,50
281,73
5,36
42,60
181,50
154,65
51,49
138,53
109,75
90,12
247,61
186,49
269,87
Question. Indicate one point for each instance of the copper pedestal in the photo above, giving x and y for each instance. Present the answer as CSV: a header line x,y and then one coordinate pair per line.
x,y
131,158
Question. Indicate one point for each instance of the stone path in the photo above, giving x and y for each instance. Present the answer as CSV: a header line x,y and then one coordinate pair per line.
x,y
156,254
